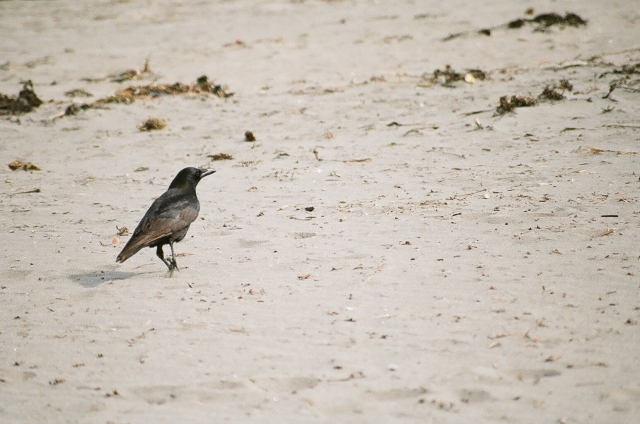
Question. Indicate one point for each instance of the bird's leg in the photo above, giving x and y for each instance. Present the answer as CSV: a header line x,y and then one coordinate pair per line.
x,y
160,254
174,264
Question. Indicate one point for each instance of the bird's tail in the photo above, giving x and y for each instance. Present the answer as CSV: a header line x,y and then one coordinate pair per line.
x,y
129,250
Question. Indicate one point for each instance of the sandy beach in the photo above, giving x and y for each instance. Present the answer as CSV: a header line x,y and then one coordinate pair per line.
x,y
438,220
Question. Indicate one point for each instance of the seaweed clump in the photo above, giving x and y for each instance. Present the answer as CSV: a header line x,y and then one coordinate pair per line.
x,y
153,124
546,20
26,101
220,156
507,104
448,76
201,86
552,93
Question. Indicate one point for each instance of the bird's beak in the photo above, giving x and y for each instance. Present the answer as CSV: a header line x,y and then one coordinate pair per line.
x,y
206,171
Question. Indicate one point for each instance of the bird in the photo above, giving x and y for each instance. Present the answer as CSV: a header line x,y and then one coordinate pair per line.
x,y
168,218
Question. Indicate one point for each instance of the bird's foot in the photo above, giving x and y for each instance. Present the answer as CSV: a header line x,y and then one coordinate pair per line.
x,y
172,264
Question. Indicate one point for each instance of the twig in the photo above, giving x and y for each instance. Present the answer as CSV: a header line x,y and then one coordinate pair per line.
x,y
566,65
621,126
469,194
475,112
611,88
35,190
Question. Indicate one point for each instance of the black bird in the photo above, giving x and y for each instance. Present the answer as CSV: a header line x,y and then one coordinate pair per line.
x,y
167,220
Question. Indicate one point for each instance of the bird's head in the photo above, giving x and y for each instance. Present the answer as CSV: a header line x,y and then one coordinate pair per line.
x,y
190,177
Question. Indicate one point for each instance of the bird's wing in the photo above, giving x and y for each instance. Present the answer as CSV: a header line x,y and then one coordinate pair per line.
x,y
154,228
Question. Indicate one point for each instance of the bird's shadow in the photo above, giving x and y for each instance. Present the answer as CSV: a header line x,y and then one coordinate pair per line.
x,y
93,279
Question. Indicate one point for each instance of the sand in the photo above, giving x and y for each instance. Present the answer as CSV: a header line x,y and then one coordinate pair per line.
x,y
458,265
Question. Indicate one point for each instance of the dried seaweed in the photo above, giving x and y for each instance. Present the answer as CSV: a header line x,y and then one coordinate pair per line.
x,y
152,124
74,108
507,104
546,20
550,19
131,94
565,85
26,101
542,22
550,93
627,69
132,74
220,156
26,166
626,79
78,92
248,136
448,76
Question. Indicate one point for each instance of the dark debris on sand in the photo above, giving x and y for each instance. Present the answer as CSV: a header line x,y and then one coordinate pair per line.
x,y
627,69
627,78
26,101
248,136
153,124
507,104
546,20
26,166
133,93
220,156
448,76
201,86
542,23
550,93
564,84
627,74
75,108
